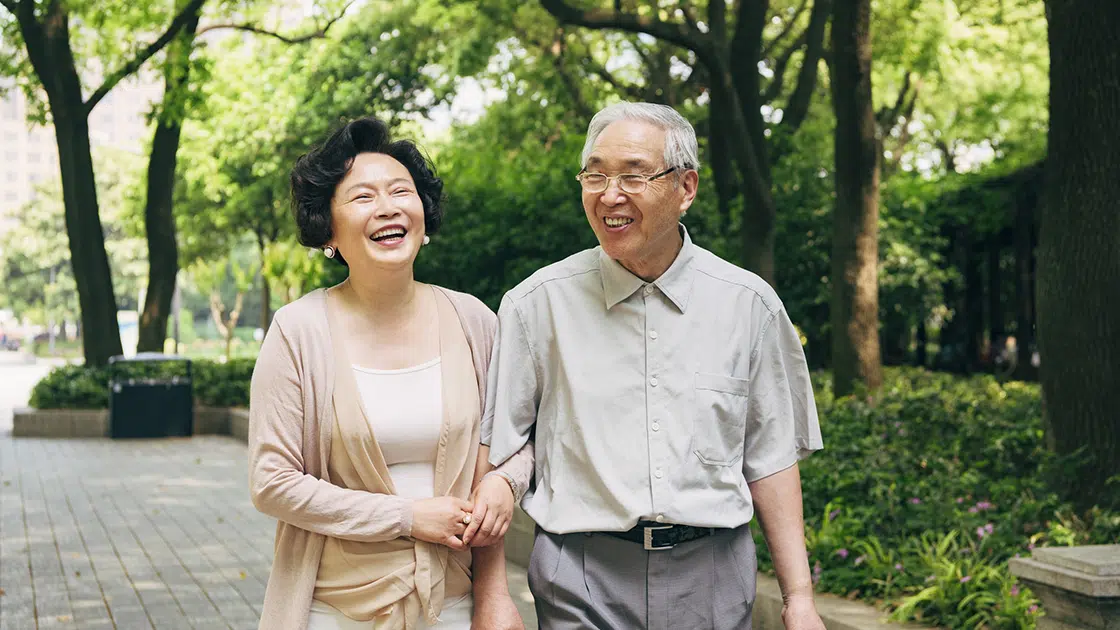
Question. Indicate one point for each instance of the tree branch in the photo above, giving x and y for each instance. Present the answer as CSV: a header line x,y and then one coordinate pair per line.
x,y
887,117
250,28
769,49
777,84
798,107
679,34
193,7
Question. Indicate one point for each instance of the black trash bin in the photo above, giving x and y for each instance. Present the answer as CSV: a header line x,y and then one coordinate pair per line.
x,y
145,405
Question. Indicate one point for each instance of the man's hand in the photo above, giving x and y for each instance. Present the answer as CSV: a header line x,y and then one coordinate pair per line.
x,y
800,613
491,513
496,612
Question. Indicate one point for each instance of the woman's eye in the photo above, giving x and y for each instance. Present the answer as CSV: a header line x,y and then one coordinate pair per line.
x,y
402,191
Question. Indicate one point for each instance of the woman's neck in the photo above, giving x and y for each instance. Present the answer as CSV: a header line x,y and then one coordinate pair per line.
x,y
383,296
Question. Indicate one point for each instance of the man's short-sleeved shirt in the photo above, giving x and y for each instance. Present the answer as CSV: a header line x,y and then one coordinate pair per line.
x,y
651,400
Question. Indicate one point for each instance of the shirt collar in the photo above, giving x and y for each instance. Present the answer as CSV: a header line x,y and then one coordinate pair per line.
x,y
675,283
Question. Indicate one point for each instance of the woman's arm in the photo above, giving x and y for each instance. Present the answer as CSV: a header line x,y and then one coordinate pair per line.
x,y
278,484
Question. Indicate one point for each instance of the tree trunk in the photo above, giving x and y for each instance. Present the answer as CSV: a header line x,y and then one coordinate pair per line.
x,y
159,219
723,170
89,261
1023,235
921,354
855,239
1078,256
48,50
996,329
974,303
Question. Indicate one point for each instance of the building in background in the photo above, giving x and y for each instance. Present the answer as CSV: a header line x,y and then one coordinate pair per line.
x,y
29,155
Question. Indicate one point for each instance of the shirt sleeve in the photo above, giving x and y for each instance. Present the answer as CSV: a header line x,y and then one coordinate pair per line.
x,y
782,424
278,485
513,388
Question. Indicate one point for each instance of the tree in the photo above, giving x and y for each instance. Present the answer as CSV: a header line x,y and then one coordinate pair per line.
x,y
179,98
159,221
44,29
1078,252
855,236
235,272
729,54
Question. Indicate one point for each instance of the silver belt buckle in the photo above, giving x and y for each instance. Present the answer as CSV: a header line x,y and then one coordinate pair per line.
x,y
647,537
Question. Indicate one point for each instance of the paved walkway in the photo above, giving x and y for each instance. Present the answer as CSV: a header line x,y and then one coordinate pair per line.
x,y
130,535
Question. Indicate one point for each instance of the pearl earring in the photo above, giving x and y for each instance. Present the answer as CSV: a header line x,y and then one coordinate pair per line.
x,y
328,251
427,239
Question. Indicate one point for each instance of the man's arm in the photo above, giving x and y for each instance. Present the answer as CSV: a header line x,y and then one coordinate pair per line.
x,y
782,428
493,606
777,502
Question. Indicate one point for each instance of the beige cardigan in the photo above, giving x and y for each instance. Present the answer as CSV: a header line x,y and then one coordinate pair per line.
x,y
292,404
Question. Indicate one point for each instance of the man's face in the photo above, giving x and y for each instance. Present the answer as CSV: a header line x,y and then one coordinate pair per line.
x,y
637,230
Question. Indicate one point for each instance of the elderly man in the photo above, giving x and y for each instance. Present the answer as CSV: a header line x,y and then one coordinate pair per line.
x,y
670,402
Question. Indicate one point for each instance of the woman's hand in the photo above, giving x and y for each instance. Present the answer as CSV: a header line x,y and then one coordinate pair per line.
x,y
492,512
441,520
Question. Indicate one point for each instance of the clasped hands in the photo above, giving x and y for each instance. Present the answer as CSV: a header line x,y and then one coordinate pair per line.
x,y
460,524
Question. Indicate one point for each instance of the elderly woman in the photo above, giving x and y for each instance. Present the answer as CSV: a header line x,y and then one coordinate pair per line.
x,y
365,414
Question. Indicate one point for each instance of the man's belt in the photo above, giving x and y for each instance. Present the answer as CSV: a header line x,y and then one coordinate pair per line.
x,y
655,536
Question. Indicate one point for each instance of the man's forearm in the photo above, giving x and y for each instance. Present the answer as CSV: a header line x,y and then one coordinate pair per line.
x,y
777,502
489,571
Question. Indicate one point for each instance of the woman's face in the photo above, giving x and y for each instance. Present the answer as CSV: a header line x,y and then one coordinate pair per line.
x,y
377,218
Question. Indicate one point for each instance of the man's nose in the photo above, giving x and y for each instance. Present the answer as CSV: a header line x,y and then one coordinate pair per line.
x,y
613,195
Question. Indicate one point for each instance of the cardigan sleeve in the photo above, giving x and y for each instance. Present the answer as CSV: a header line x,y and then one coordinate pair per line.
x,y
279,484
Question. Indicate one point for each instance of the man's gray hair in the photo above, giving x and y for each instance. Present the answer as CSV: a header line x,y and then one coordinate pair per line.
x,y
680,138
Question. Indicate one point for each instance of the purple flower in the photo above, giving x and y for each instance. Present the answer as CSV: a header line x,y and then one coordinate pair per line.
x,y
897,425
833,514
966,579
817,572
843,553
973,510
960,499
984,531
1015,590
915,500
902,431
859,560
1033,609
898,567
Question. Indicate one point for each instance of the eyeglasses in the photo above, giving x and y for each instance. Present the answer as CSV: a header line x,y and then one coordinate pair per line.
x,y
629,183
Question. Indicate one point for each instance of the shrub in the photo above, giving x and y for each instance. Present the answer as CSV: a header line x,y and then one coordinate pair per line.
x,y
80,387
926,490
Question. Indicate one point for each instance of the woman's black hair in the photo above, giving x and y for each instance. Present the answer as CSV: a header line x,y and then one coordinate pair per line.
x,y
318,172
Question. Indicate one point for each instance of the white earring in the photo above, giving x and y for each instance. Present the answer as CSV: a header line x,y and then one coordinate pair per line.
x,y
328,251
427,239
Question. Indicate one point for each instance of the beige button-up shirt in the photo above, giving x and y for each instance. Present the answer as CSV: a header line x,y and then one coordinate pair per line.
x,y
656,401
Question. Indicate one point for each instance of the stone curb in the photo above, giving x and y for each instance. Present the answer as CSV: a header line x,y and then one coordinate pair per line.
x,y
90,423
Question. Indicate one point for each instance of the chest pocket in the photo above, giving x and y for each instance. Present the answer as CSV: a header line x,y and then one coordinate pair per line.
x,y
720,423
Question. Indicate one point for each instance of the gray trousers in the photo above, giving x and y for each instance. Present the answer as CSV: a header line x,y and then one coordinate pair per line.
x,y
600,582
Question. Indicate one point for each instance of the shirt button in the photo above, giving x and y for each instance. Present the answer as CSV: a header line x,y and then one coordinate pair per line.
x,y
660,518
656,427
653,334
653,382
649,289
657,473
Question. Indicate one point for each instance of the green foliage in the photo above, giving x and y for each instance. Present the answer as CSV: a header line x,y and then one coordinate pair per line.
x,y
223,384
217,384
924,492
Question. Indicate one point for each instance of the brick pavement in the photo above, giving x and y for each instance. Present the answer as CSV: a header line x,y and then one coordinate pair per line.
x,y
98,533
